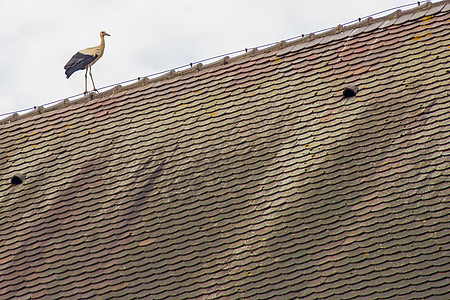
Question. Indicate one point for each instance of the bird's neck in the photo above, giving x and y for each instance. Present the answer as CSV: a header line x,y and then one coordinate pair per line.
x,y
102,41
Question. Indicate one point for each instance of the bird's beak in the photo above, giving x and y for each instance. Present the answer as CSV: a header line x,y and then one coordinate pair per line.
x,y
107,34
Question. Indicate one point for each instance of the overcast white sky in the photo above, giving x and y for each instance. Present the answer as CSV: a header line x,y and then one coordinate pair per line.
x,y
37,38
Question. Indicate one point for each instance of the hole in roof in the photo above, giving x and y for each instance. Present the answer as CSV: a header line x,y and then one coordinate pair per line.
x,y
17,179
350,91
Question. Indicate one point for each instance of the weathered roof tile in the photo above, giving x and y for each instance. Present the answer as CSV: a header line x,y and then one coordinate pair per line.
x,y
251,177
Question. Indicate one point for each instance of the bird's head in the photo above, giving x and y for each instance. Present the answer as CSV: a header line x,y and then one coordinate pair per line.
x,y
103,33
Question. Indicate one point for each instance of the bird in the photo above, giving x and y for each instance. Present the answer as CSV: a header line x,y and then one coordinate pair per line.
x,y
84,59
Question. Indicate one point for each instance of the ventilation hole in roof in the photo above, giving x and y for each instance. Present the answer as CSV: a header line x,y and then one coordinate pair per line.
x,y
350,91
17,179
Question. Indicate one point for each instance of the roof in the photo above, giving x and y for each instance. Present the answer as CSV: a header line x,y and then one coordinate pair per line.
x,y
253,177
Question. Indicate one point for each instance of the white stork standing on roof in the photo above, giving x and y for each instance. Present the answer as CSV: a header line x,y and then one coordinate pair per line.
x,y
84,59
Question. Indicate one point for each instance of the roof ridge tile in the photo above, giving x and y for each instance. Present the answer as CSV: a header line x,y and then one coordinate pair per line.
x,y
283,48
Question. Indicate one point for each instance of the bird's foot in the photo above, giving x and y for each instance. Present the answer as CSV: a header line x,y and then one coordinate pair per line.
x,y
93,92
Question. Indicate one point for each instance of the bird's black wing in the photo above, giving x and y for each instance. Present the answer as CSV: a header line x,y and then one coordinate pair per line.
x,y
78,62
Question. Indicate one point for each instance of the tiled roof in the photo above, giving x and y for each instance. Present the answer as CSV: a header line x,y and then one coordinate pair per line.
x,y
250,178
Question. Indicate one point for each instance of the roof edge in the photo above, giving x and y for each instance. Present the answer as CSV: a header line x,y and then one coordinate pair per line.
x,y
284,47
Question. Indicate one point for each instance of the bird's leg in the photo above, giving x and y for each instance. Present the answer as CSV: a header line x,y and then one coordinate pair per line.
x,y
85,82
90,73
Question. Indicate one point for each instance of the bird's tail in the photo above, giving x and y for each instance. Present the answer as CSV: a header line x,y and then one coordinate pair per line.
x,y
70,71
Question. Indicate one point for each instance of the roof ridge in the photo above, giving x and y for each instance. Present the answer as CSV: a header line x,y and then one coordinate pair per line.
x,y
312,38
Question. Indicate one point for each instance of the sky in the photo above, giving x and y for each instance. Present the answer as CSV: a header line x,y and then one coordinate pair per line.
x,y
37,38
